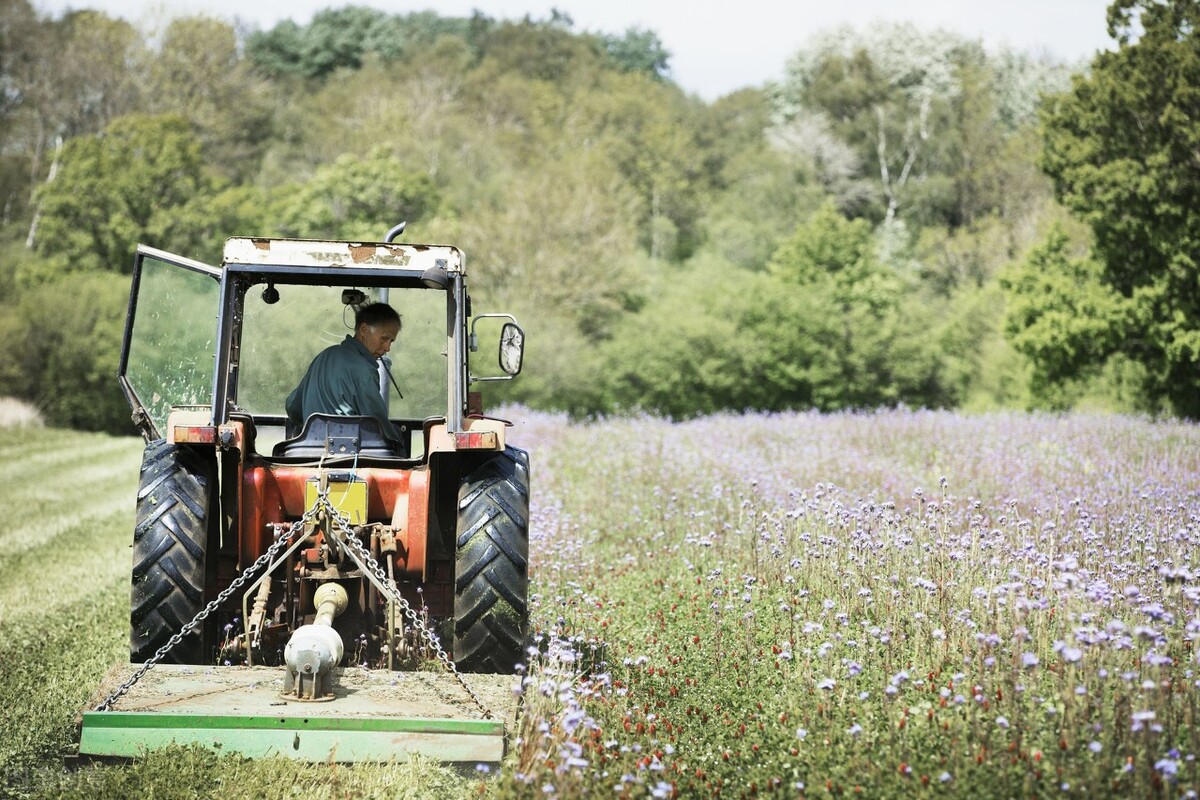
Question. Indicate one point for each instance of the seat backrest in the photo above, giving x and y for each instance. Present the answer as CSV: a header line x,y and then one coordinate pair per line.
x,y
326,435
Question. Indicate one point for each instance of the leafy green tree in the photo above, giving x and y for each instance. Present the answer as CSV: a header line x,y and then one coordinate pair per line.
x,y
116,187
20,60
65,343
699,345
648,131
88,78
353,197
872,349
199,227
541,50
639,50
888,93
335,39
198,72
1063,317
901,123
758,190
561,242
347,38
823,328
1121,148
74,87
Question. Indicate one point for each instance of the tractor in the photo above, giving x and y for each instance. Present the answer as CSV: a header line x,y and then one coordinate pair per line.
x,y
321,547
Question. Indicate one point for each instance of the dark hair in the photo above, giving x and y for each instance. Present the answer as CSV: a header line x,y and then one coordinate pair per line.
x,y
374,314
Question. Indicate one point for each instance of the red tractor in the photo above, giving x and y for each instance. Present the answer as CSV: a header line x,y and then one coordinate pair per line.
x,y
249,534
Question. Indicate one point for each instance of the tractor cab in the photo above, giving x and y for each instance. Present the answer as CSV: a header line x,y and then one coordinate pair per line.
x,y
234,340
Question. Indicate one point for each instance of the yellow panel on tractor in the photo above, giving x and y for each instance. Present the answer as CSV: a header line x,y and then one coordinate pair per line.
x,y
348,497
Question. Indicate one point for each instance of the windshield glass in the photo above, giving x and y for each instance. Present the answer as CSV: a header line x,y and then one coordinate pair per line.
x,y
280,339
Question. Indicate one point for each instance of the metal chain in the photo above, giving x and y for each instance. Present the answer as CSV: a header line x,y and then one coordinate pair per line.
x,y
368,561
220,598
350,540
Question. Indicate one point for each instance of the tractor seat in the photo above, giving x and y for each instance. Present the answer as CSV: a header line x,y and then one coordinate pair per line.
x,y
332,435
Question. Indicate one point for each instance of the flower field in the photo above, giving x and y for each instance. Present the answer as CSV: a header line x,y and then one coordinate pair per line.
x,y
891,604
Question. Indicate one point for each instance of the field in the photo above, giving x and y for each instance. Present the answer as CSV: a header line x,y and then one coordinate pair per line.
x,y
892,604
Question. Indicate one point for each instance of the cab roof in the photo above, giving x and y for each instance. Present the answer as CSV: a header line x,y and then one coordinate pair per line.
x,y
255,251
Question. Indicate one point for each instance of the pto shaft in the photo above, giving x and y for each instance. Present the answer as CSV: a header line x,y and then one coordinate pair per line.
x,y
314,650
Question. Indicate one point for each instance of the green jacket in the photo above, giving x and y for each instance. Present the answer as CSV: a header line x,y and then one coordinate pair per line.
x,y
342,379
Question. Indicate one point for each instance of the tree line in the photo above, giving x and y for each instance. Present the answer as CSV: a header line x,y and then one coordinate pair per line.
x,y
903,217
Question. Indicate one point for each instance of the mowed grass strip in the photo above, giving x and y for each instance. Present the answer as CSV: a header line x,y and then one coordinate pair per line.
x,y
64,613
27,452
70,519
94,492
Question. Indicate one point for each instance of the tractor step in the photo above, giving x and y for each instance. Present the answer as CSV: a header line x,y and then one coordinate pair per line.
x,y
375,715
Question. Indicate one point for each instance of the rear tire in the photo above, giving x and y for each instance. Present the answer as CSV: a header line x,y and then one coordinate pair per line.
x,y
491,567
170,553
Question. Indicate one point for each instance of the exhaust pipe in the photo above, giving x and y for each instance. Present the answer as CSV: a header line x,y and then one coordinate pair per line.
x,y
314,650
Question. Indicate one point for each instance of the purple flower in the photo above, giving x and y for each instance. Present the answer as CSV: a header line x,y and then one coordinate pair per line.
x,y
1029,660
1140,718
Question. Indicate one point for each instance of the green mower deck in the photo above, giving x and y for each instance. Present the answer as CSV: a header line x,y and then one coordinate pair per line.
x,y
376,715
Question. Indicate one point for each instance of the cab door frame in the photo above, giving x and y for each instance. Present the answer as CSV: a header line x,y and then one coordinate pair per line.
x,y
141,416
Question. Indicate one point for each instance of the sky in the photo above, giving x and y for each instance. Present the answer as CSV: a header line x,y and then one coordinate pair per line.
x,y
716,46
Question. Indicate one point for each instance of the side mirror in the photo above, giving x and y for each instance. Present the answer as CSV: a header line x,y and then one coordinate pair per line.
x,y
512,348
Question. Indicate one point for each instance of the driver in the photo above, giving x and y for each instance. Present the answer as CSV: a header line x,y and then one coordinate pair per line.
x,y
344,378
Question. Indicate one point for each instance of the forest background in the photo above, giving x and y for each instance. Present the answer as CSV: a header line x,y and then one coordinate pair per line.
x,y
904,218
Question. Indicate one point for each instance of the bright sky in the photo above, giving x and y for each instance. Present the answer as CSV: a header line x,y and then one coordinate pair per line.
x,y
716,46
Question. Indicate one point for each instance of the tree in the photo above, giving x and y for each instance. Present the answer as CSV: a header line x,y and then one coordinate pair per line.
x,y
353,197
335,39
93,78
561,241
759,189
116,187
65,339
823,328
20,63
647,130
198,72
639,50
73,88
541,50
1121,148
1063,317
887,93
906,124
870,349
